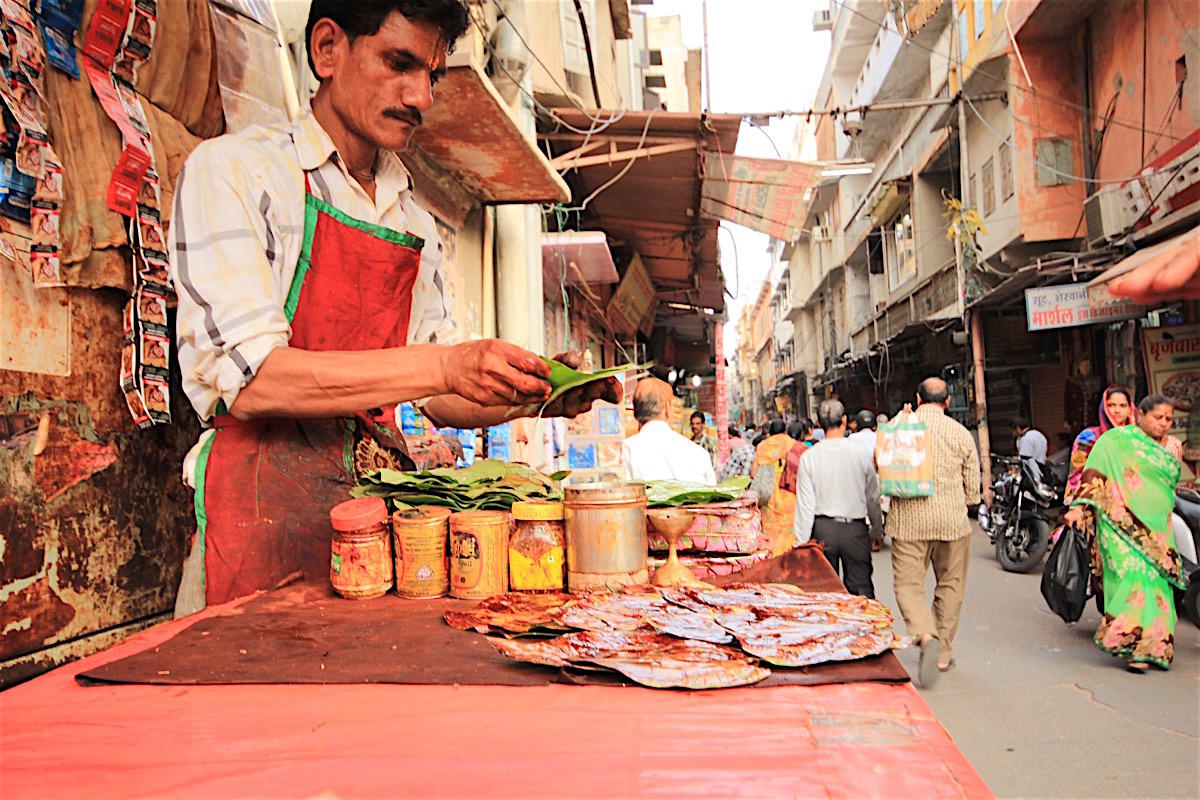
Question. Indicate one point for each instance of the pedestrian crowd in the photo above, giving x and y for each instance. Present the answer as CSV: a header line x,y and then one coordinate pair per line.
x,y
820,483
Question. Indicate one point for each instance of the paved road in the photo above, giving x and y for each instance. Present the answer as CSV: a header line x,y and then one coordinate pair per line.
x,y
1041,712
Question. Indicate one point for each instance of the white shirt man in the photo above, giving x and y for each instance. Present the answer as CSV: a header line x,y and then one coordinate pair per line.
x,y
1031,443
657,452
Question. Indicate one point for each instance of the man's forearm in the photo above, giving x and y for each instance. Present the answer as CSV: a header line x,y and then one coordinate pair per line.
x,y
452,411
318,384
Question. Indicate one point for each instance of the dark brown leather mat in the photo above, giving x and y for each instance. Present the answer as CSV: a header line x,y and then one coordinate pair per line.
x,y
303,633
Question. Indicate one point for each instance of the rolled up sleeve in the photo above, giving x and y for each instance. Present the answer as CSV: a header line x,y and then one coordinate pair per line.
x,y
223,250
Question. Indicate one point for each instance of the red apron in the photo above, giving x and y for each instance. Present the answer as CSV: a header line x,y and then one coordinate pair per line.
x,y
265,487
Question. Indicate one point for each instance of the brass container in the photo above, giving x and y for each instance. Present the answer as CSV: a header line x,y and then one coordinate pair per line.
x,y
420,537
606,535
478,554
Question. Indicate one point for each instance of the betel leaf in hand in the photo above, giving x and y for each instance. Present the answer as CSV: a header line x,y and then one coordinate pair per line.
x,y
563,378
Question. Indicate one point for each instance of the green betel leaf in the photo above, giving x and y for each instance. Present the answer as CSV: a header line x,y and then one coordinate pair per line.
x,y
563,378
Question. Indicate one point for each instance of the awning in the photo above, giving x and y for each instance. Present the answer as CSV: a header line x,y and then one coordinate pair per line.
x,y
578,257
470,133
644,170
1041,272
1098,294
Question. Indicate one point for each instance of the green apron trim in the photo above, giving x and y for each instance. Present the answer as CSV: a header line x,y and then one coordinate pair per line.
x,y
305,260
198,499
379,231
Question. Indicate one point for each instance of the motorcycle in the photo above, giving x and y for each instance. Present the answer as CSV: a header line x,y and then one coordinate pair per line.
x,y
1023,511
1187,544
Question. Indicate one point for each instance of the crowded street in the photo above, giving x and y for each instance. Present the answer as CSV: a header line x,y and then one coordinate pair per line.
x,y
600,399
1042,713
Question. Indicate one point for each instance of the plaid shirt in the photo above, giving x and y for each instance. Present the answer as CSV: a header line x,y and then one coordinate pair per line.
x,y
943,517
236,233
741,459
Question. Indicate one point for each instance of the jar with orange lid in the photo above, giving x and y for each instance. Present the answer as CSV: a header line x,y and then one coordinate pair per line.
x,y
537,548
360,561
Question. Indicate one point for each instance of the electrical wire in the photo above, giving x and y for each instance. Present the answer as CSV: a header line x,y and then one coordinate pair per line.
x,y
628,166
1040,165
960,63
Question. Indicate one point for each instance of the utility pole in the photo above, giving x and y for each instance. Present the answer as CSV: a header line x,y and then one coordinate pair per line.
x,y
975,326
707,76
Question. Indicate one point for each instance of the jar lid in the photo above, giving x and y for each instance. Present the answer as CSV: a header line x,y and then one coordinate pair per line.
x,y
478,518
537,510
420,514
354,515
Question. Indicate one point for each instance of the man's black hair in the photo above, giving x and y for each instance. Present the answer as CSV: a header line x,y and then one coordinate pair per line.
x,y
696,415
364,17
1018,423
734,433
776,427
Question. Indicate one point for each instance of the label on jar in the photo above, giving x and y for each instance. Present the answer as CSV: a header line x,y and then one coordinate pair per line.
x,y
478,562
361,568
464,555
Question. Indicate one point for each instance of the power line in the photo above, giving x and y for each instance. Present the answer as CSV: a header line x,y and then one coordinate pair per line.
x,y
960,63
1042,165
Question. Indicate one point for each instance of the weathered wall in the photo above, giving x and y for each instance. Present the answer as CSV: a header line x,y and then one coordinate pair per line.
x,y
93,529
1169,31
1047,212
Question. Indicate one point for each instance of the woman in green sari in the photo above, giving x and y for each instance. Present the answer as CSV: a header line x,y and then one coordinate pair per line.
x,y
1125,499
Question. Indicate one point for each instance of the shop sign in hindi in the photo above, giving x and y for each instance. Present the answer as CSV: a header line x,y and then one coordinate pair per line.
x,y
1173,368
633,299
1066,306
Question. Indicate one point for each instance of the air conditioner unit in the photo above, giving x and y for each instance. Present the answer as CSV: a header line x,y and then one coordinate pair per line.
x,y
1108,213
820,233
822,20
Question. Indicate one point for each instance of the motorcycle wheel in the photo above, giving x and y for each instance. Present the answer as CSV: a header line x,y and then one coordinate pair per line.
x,y
1023,551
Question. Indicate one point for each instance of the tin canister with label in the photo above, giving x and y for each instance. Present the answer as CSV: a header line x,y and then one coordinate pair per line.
x,y
478,554
421,537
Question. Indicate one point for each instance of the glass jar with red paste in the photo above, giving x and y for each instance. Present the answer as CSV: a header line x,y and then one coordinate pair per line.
x,y
360,561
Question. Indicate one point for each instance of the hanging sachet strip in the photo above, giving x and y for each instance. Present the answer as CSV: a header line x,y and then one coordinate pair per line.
x,y
119,40
23,93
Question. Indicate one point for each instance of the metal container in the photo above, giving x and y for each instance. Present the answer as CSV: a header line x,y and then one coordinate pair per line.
x,y
420,536
606,535
478,554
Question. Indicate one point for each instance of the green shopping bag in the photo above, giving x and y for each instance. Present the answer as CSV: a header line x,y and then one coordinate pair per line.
x,y
902,457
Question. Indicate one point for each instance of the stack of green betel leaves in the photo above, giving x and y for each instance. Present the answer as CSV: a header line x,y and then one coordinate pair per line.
x,y
486,484
667,493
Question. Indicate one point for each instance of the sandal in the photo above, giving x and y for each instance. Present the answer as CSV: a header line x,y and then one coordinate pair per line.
x,y
1137,667
927,668
947,666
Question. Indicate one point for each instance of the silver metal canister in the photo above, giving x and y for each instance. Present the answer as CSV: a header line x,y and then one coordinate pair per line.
x,y
606,535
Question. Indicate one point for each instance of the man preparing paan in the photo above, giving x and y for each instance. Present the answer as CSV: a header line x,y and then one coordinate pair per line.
x,y
311,302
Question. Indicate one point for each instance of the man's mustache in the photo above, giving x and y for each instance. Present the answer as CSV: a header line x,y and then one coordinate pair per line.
x,y
409,115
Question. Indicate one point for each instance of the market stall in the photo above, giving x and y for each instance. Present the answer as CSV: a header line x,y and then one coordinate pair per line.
x,y
372,681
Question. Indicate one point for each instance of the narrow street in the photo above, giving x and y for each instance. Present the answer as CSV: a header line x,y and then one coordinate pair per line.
x,y
1040,712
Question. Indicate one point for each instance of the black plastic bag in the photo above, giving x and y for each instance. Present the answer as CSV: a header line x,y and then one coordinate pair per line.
x,y
1067,575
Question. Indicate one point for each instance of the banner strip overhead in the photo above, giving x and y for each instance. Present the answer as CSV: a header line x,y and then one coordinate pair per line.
x,y
768,195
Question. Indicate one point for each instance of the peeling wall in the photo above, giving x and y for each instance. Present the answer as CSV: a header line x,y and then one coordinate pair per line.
x,y
94,519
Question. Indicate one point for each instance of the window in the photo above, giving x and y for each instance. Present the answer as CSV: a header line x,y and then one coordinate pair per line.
x,y
989,187
1006,176
656,81
1055,161
656,58
574,52
964,36
899,248
980,19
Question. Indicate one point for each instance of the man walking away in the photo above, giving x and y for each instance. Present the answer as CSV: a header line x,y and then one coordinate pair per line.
x,y
837,490
936,531
741,456
657,452
865,435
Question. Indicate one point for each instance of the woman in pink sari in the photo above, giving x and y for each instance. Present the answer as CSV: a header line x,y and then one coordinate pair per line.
x,y
1116,409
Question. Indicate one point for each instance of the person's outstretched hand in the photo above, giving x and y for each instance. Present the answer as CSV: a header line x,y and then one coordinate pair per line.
x,y
1173,275
579,400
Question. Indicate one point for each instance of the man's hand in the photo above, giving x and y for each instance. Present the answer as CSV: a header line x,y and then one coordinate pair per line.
x,y
1168,277
579,400
492,372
